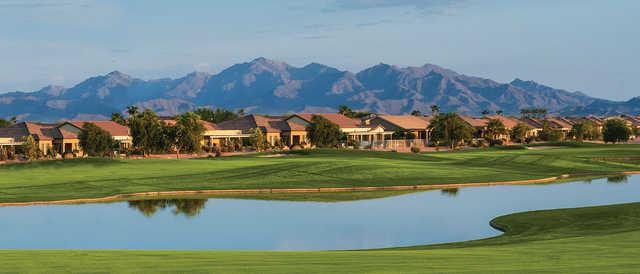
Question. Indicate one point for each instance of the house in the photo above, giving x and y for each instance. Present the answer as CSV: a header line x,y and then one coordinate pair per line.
x,y
353,128
416,125
240,128
42,134
560,124
509,123
479,125
67,136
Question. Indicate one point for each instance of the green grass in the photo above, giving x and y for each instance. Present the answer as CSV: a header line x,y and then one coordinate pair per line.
x,y
90,178
595,240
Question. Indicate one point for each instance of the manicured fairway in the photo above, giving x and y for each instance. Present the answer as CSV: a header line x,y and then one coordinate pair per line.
x,y
89,178
595,240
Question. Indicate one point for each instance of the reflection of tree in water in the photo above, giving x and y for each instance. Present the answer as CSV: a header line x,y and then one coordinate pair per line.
x,y
188,207
617,179
450,191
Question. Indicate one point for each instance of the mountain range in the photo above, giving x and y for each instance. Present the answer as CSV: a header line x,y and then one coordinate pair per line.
x,y
273,87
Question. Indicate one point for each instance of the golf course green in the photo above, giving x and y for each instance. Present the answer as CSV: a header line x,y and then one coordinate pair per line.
x,y
92,178
601,239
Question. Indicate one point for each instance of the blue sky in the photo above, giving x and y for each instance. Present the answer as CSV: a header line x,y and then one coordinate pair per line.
x,y
591,46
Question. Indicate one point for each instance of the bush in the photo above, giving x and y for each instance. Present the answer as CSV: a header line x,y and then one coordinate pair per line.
x,y
353,143
496,142
415,149
513,147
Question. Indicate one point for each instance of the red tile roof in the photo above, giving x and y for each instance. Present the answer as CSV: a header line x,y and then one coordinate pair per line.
x,y
508,122
246,123
336,118
112,127
475,122
407,121
41,131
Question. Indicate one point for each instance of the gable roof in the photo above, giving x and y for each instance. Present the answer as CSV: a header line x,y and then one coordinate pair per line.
x,y
112,127
207,125
336,118
559,123
475,122
246,123
16,132
532,122
508,122
407,121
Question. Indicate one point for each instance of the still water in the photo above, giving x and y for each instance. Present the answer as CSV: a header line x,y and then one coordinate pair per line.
x,y
412,219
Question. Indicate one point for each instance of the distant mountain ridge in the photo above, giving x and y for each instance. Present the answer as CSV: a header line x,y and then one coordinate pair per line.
x,y
273,87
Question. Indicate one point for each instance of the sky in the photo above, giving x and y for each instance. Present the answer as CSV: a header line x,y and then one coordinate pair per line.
x,y
577,45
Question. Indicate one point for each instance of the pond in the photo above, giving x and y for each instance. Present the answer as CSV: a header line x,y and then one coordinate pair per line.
x,y
236,224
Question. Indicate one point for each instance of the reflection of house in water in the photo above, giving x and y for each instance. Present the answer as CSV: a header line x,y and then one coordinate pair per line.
x,y
188,207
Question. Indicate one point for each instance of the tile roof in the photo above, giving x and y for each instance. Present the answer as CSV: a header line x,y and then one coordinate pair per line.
x,y
207,125
475,122
559,123
16,132
246,123
508,122
336,118
41,131
407,121
112,127
532,122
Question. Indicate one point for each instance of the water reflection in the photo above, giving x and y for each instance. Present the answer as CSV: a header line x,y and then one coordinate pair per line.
x,y
187,207
450,191
619,179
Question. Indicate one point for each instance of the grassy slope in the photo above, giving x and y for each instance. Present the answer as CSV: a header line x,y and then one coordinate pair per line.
x,y
85,178
597,240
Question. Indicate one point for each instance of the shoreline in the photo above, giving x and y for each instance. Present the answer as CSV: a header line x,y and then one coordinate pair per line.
x,y
159,194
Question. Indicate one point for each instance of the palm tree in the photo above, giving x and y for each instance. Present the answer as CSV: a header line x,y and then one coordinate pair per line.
x,y
416,113
499,112
486,112
345,110
495,128
117,117
435,109
132,110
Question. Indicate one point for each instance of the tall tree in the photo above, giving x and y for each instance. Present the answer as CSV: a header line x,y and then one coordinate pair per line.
x,y
94,140
345,110
520,132
550,134
450,128
217,116
486,112
435,110
117,117
615,131
30,148
416,113
499,112
495,128
323,133
148,132
132,111
187,133
4,123
585,130
258,140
